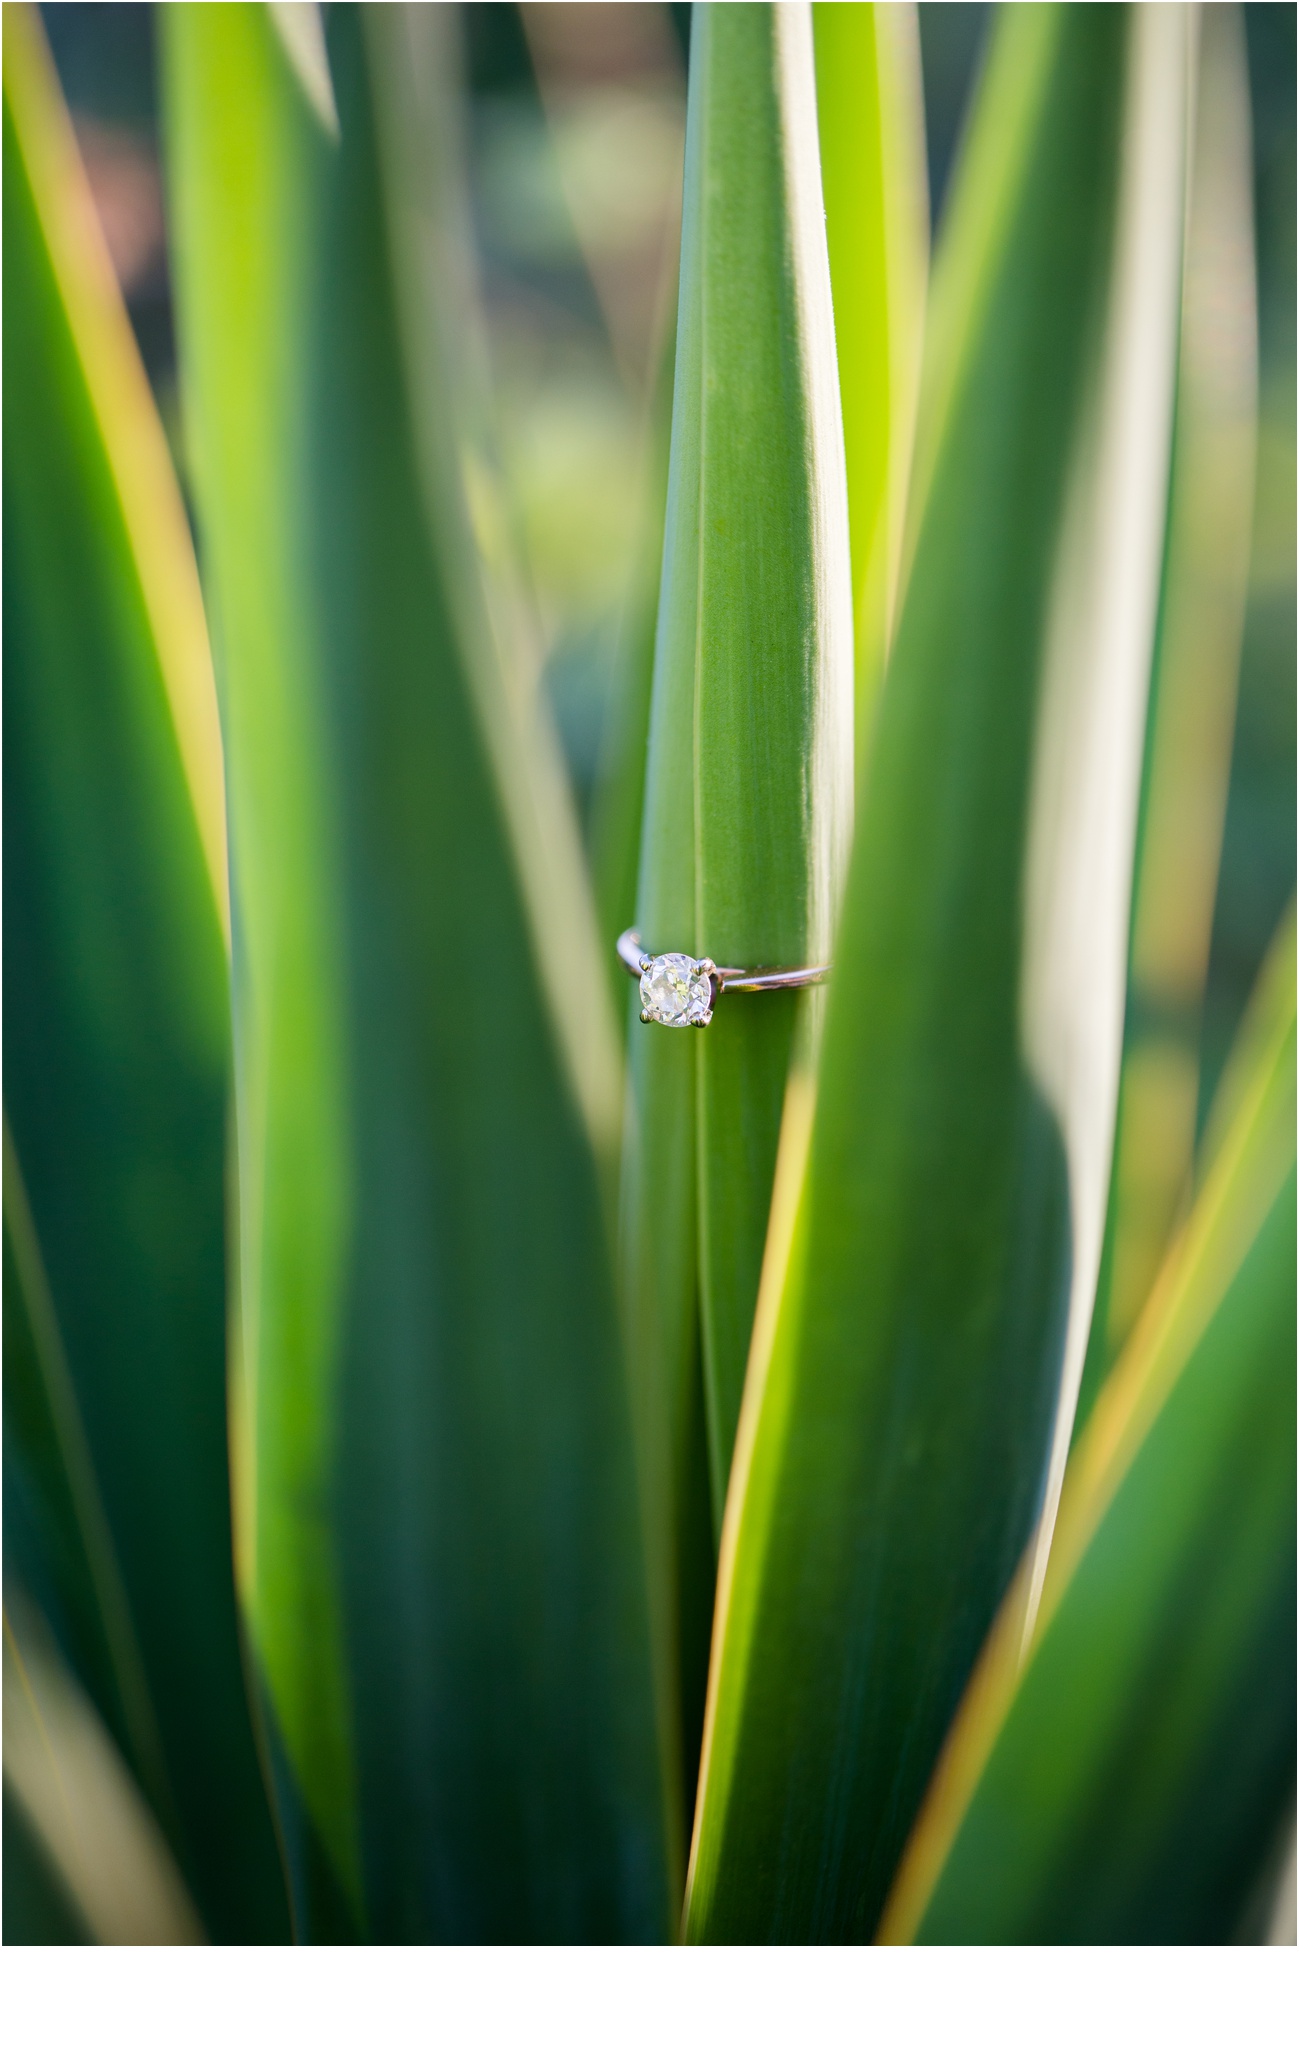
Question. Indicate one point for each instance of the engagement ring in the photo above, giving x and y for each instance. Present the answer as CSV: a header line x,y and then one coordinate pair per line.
x,y
676,990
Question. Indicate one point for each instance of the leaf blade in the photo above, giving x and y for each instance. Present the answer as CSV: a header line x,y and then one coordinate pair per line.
x,y
748,781
926,1217
1193,694
1153,1716
116,1035
440,1462
870,116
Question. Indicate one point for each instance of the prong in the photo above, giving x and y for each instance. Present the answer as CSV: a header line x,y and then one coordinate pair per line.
x,y
708,967
646,962
645,1017
702,1023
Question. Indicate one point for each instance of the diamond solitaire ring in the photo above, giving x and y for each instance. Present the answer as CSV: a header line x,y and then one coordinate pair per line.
x,y
676,990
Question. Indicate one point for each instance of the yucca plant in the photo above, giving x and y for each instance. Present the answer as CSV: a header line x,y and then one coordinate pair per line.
x,y
481,1466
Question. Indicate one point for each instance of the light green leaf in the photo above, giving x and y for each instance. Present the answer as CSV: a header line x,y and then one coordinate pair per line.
x,y
439,1538
1126,1780
748,789
937,1222
871,117
618,800
116,1031
1193,700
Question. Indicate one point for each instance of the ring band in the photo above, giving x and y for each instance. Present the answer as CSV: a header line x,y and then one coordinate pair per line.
x,y
677,990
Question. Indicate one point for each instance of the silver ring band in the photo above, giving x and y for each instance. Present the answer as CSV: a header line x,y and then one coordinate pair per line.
x,y
677,990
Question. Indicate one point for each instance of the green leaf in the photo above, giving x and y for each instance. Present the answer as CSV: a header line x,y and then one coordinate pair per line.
x,y
89,1849
57,1535
1124,1781
439,1539
618,799
1193,701
938,1211
747,802
870,114
116,1031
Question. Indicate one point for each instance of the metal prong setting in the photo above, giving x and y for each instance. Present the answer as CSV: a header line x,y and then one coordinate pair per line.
x,y
709,967
715,982
644,1016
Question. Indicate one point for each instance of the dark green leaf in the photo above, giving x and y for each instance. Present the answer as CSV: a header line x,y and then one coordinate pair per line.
x,y
90,1856
439,1536
57,1536
1125,1782
116,1031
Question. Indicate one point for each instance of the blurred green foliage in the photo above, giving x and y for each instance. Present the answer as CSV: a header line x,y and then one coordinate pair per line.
x,y
116,1045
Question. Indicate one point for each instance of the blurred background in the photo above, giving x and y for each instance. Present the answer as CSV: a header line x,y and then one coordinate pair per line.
x,y
576,124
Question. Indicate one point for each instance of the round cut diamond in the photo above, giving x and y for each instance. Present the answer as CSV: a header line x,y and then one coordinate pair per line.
x,y
674,990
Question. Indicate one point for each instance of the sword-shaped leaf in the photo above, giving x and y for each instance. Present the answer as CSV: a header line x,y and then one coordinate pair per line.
x,y
439,1541
1126,1781
1193,702
116,1035
748,789
618,799
870,114
937,1219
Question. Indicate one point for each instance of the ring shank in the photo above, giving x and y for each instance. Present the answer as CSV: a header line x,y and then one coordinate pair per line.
x,y
742,980
743,984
